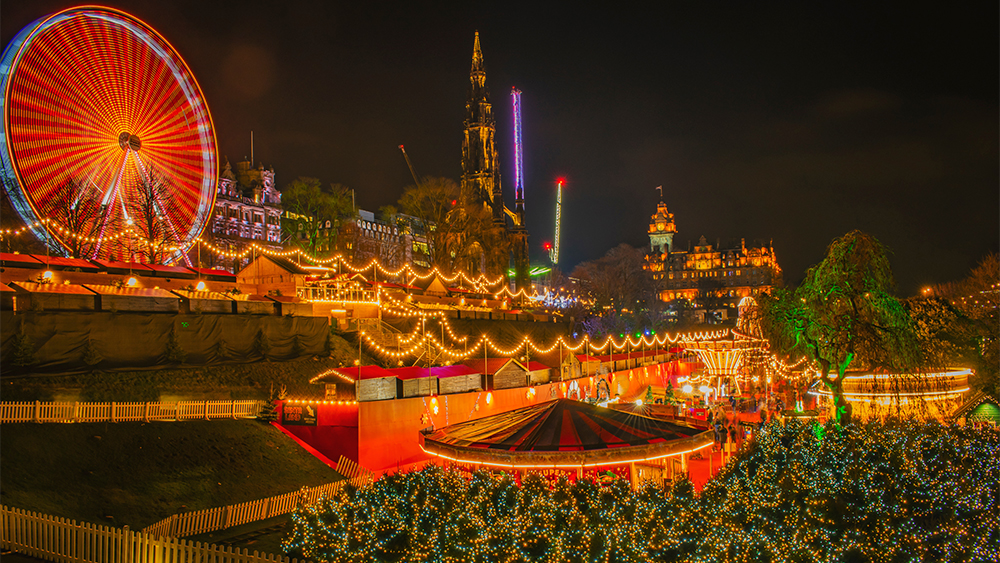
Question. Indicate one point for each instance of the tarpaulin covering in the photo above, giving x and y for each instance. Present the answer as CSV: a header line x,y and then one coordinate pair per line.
x,y
59,341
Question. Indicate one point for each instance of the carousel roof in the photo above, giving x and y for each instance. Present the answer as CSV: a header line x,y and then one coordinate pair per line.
x,y
563,432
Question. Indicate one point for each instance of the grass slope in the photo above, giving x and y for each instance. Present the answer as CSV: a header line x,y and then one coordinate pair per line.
x,y
137,474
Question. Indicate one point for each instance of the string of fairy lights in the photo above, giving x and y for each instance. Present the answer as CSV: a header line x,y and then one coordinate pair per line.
x,y
801,493
496,287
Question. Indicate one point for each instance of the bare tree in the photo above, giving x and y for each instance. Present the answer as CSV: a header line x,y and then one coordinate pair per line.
x,y
78,209
151,210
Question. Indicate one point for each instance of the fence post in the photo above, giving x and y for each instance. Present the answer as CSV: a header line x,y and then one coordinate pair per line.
x,y
76,411
113,405
232,406
37,415
206,410
177,412
145,412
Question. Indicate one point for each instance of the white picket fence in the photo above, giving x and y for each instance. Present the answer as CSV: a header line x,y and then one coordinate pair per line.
x,y
65,541
126,412
62,540
211,519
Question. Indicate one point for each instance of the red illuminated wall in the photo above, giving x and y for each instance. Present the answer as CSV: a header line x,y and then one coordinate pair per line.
x,y
335,433
382,435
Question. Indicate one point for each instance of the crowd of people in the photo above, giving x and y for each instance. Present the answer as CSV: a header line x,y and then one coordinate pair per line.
x,y
730,429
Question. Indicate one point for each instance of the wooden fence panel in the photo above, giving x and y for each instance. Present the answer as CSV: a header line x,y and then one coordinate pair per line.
x,y
11,412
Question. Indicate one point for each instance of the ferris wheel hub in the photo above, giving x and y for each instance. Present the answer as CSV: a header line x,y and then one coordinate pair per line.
x,y
127,141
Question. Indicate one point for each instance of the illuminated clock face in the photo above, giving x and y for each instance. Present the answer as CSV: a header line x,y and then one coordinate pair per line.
x,y
661,226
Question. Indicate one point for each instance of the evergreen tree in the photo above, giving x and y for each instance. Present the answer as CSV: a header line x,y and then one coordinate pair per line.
x,y
174,353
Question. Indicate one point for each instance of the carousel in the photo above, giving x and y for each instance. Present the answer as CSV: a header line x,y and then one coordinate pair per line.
x,y
568,436
931,395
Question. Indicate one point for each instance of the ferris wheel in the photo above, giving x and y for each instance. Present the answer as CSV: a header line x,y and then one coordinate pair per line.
x,y
98,105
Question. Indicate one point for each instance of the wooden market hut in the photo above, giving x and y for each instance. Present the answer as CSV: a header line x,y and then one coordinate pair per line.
x,y
589,365
7,297
459,378
417,381
136,299
250,304
567,435
53,297
538,372
501,373
295,306
203,301
373,383
25,261
122,268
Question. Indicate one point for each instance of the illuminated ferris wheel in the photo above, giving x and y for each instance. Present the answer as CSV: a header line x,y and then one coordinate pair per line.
x,y
105,133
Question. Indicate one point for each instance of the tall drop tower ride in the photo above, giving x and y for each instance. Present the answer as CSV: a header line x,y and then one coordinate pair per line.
x,y
554,253
519,232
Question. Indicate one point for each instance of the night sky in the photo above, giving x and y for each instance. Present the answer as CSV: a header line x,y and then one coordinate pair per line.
x,y
789,122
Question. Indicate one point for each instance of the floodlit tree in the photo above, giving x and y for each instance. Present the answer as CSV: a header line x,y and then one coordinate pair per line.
x,y
617,280
432,202
843,315
308,203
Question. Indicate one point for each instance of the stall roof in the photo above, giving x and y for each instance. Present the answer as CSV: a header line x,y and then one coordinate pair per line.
x,y
212,295
60,263
61,288
285,298
11,260
563,431
536,366
583,358
490,366
409,372
364,372
454,371
222,275
171,271
3,287
249,297
122,267
135,291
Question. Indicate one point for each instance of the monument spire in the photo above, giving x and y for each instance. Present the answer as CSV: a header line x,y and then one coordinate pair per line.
x,y
480,163
477,57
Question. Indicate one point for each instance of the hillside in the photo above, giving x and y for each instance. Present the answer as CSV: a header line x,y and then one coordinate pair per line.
x,y
213,382
137,474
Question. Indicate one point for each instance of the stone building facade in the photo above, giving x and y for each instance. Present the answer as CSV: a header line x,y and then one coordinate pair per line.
x,y
364,238
707,275
247,210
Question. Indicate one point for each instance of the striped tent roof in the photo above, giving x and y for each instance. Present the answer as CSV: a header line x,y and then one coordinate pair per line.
x,y
562,431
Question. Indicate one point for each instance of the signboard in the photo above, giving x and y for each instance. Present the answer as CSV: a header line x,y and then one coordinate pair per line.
x,y
298,415
331,392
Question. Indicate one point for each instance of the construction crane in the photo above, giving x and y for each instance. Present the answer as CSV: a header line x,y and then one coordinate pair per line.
x,y
554,251
410,165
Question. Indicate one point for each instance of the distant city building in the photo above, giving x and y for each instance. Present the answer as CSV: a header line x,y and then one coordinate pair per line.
x,y
713,276
247,210
363,238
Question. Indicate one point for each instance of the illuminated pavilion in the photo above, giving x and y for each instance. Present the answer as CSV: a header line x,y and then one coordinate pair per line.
x,y
570,436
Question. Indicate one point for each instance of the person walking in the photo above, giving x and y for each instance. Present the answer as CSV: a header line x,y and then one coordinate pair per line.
x,y
723,438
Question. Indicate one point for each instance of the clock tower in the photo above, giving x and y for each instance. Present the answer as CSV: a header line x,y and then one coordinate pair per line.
x,y
661,230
